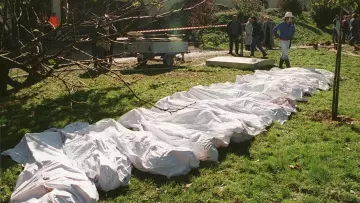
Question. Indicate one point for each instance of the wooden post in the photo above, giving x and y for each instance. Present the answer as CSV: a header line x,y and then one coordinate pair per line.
x,y
242,45
241,38
335,101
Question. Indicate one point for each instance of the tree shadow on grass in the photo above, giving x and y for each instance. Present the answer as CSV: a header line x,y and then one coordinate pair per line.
x,y
150,70
93,105
160,180
91,74
56,113
202,71
311,28
355,129
239,149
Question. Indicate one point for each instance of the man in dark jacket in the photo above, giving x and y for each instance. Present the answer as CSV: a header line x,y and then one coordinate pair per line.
x,y
257,37
234,30
268,27
354,29
345,28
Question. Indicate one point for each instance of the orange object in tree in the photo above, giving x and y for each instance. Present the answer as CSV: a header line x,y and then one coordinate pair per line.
x,y
54,20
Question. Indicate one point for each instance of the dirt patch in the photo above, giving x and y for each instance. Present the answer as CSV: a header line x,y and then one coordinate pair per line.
x,y
325,116
346,50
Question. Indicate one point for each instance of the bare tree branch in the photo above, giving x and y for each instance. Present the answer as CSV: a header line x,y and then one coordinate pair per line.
x,y
25,49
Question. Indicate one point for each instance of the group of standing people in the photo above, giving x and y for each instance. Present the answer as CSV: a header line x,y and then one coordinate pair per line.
x,y
350,29
268,35
258,33
235,30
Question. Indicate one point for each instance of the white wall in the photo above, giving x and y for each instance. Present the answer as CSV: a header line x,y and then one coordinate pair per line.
x,y
272,3
56,8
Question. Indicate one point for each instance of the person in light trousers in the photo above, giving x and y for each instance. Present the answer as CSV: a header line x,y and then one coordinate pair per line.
x,y
248,38
287,32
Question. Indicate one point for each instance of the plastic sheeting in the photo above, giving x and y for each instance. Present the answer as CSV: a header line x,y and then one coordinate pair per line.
x,y
64,165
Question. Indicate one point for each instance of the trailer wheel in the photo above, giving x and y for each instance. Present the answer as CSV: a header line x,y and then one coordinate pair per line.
x,y
169,61
141,60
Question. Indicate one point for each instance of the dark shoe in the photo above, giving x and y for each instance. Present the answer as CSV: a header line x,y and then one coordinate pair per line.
x,y
281,63
287,62
265,55
230,53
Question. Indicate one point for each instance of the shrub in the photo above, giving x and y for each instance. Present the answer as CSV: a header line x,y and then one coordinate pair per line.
x,y
225,17
247,7
295,6
274,12
323,15
214,39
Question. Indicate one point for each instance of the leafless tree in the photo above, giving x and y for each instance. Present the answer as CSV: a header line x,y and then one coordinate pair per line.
x,y
29,43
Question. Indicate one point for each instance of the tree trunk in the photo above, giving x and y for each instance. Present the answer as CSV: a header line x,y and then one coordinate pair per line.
x,y
4,73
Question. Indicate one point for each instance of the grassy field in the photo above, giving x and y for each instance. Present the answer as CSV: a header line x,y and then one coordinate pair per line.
x,y
308,159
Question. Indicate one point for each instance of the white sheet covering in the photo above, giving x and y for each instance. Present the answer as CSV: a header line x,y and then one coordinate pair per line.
x,y
47,169
52,181
164,142
144,151
91,149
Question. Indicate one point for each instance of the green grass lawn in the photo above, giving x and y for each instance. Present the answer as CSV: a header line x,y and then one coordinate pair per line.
x,y
303,160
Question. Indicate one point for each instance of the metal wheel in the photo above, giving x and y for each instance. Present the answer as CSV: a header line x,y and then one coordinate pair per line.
x,y
141,59
169,61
